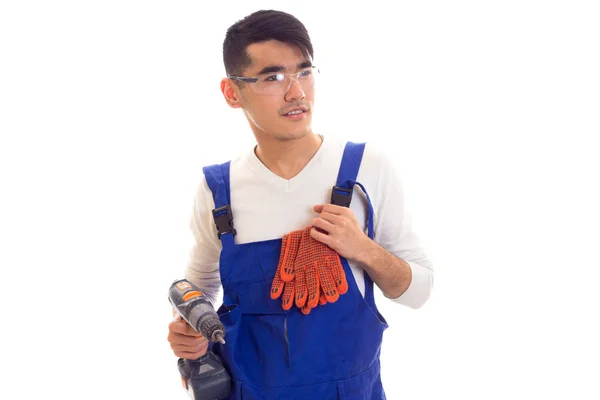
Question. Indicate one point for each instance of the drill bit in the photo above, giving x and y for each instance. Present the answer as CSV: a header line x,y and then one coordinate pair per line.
x,y
219,337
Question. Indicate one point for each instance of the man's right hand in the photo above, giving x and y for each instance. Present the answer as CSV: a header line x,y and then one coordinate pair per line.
x,y
185,341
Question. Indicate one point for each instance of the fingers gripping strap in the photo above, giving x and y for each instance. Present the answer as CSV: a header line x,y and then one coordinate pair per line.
x,y
350,165
371,212
368,282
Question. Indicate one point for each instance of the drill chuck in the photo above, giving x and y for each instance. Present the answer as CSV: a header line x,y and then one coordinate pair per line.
x,y
212,328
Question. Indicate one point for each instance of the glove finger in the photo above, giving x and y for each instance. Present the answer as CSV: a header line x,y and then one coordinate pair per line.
x,y
337,271
312,283
277,286
306,309
288,259
322,299
284,241
301,288
282,256
327,283
288,296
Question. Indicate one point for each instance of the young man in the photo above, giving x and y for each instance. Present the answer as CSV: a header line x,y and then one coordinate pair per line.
x,y
284,185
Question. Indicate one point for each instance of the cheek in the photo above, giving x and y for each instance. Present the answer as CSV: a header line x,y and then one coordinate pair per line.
x,y
264,111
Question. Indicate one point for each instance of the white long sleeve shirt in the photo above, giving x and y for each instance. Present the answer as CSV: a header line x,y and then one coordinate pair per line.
x,y
266,206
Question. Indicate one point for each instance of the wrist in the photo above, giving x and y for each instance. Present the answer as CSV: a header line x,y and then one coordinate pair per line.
x,y
367,252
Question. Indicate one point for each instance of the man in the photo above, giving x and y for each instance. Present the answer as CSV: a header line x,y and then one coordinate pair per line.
x,y
283,189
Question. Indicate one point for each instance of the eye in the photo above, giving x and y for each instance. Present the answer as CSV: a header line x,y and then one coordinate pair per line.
x,y
306,72
273,78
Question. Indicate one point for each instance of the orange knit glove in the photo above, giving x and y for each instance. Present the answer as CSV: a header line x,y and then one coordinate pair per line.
x,y
320,276
284,275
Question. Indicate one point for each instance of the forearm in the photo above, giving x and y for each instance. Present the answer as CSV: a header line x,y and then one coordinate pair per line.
x,y
203,264
390,273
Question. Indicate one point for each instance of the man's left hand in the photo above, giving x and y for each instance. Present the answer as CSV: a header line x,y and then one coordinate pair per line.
x,y
341,230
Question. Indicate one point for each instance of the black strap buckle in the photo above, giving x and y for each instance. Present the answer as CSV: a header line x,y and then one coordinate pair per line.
x,y
341,196
224,220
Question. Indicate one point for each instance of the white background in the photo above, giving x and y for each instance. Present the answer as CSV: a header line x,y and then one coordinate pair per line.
x,y
109,110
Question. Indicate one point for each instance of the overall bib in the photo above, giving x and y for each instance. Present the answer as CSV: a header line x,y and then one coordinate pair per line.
x,y
274,354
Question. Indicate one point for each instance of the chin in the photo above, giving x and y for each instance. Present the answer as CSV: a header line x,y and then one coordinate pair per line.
x,y
285,136
298,133
297,129
287,130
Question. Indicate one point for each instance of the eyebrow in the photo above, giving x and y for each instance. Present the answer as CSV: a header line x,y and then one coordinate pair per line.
x,y
279,68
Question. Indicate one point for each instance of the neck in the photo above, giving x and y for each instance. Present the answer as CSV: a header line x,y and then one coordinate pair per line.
x,y
286,158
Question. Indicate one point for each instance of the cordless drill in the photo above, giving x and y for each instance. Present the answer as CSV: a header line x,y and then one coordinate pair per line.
x,y
204,378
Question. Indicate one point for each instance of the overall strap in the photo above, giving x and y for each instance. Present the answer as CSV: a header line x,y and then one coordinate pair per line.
x,y
217,178
341,194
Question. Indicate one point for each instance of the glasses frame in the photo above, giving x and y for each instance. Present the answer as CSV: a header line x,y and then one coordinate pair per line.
x,y
293,75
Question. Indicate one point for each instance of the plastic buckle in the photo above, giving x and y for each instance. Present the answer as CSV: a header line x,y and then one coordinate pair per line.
x,y
341,196
224,220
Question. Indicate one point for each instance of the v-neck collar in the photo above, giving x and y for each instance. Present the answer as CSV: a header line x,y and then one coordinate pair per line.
x,y
287,185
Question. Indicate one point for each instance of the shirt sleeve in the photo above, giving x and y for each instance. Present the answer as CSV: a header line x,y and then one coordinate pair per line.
x,y
393,231
203,264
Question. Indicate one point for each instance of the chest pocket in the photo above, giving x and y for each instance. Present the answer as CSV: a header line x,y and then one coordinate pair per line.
x,y
263,337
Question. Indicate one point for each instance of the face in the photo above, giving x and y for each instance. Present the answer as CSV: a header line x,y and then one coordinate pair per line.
x,y
267,113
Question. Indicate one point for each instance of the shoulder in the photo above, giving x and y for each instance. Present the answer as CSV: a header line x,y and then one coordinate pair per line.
x,y
380,160
380,173
235,161
216,170
212,174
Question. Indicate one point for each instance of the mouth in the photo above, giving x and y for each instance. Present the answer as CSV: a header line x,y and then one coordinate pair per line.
x,y
296,113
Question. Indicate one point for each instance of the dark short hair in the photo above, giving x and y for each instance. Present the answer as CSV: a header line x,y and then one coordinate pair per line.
x,y
258,27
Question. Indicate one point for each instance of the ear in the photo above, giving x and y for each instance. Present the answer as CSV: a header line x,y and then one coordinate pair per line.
x,y
231,93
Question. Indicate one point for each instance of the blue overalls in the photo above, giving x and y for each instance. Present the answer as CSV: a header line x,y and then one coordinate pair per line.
x,y
274,354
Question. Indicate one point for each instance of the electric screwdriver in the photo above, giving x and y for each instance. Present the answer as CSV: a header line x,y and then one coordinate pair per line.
x,y
204,378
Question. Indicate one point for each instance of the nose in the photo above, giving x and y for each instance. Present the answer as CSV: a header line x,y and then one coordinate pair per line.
x,y
294,92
